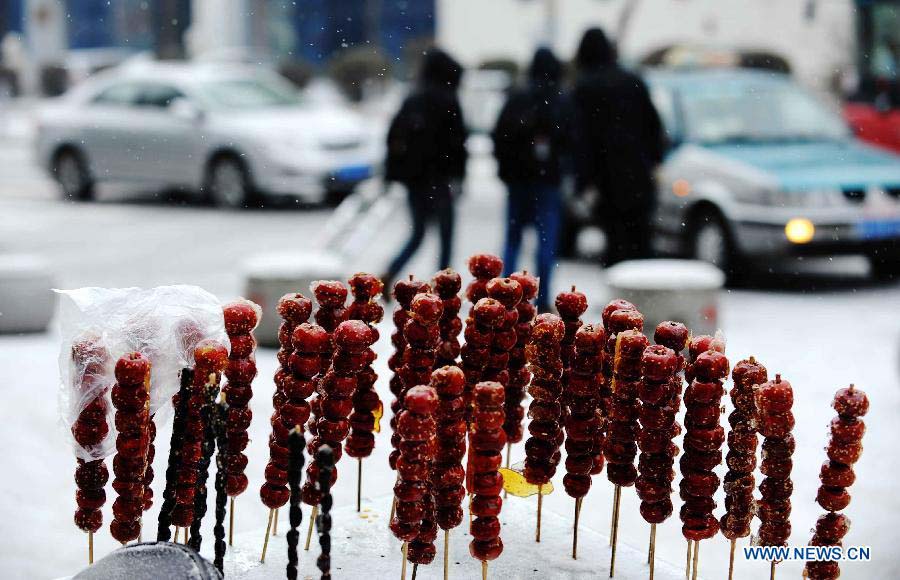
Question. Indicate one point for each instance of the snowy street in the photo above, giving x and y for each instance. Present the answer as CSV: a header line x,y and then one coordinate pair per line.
x,y
821,329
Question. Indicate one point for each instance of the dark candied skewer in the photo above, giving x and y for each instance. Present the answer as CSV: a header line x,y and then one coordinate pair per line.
x,y
325,459
88,361
220,414
447,285
570,305
404,291
488,440
519,375
296,444
163,533
545,435
131,398
741,458
331,296
844,449
582,422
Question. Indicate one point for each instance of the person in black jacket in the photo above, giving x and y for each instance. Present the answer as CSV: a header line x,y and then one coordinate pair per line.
x,y
426,152
531,144
622,142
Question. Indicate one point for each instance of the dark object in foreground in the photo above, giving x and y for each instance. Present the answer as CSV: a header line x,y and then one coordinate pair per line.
x,y
151,561
325,459
296,443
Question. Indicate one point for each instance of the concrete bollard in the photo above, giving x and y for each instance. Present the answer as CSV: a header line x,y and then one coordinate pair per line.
x,y
27,301
268,277
682,290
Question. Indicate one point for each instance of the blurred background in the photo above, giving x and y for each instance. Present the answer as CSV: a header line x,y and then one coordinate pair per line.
x,y
240,144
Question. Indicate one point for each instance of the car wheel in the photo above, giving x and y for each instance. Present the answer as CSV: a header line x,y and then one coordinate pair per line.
x,y
228,183
711,242
72,175
885,266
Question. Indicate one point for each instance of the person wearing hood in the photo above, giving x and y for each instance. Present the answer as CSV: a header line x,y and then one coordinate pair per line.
x,y
532,141
426,152
622,141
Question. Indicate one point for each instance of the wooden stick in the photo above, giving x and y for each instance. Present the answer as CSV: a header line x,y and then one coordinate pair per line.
x,y
403,566
687,564
275,524
537,536
177,531
231,523
508,450
731,560
446,554
772,571
484,570
262,558
90,547
696,559
615,531
393,510
575,529
312,520
652,549
359,485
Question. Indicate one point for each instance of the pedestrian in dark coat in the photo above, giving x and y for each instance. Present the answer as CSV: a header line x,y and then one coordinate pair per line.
x,y
426,152
621,142
532,146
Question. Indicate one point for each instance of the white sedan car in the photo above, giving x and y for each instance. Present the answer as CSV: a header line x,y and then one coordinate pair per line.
x,y
229,132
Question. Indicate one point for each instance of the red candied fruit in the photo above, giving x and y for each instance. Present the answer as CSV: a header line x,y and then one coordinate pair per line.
x,y
354,336
294,308
548,328
612,306
310,338
426,308
710,366
529,284
658,363
421,399
447,283
329,293
572,304
449,381
674,335
365,286
489,312
241,317
621,320
405,290
485,266
851,402
505,290
132,369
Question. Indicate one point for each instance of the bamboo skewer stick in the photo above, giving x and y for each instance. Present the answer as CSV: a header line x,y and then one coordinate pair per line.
x,y
696,559
90,547
359,485
393,510
275,524
687,564
446,554
403,566
575,529
731,561
652,549
484,570
772,571
508,451
312,520
615,531
262,558
177,531
537,536
231,523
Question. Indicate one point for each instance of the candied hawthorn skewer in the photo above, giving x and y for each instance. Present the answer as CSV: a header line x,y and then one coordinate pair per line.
x,y
545,435
774,400
476,352
447,473
488,440
570,305
519,375
179,404
220,417
331,296
843,450
352,354
633,321
294,310
582,422
417,429
741,458
89,359
361,441
703,439
131,399
298,383
404,291
447,285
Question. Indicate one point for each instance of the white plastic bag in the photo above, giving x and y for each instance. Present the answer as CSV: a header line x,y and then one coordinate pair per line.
x,y
163,324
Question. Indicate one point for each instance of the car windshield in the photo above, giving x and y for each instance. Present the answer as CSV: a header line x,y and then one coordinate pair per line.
x,y
248,93
762,112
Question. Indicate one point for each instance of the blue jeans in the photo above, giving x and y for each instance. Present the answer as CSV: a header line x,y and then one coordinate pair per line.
x,y
427,204
540,205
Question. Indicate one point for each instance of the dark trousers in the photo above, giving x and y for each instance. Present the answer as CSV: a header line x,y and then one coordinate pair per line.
x,y
427,204
537,204
628,235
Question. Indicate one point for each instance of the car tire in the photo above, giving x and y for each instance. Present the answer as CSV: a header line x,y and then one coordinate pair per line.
x,y
885,266
710,241
71,173
228,183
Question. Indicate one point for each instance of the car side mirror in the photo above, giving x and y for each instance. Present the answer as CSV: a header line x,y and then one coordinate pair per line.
x,y
184,109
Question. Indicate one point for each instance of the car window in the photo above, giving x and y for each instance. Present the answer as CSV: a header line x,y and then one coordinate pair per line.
x,y
124,94
664,101
159,96
248,93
